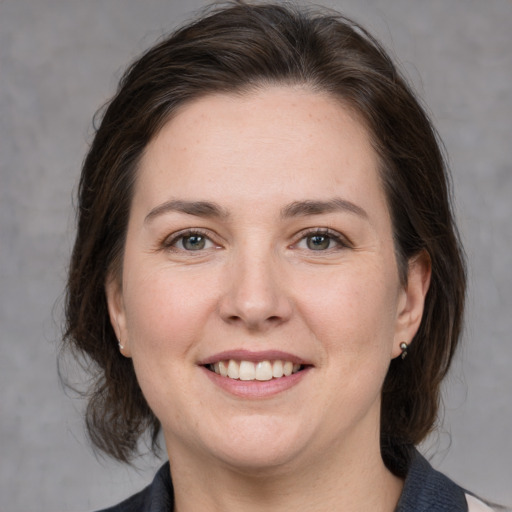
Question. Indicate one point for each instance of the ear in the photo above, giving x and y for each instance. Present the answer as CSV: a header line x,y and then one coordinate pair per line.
x,y
116,310
412,300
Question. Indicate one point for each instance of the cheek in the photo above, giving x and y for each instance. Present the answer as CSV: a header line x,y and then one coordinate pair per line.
x,y
166,313
165,310
351,316
351,311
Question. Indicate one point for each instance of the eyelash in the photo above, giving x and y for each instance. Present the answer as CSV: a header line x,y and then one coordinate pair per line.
x,y
342,242
169,243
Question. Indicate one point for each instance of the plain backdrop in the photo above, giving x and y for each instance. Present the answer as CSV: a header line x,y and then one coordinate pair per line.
x,y
61,59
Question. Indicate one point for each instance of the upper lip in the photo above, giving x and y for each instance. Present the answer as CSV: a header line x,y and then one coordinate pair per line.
x,y
247,355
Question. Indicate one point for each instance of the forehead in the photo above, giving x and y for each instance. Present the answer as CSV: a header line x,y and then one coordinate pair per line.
x,y
286,141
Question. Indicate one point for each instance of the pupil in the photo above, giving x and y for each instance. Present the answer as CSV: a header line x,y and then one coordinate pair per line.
x,y
194,242
318,242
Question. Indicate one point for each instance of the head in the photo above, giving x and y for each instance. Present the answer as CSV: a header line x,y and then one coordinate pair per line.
x,y
240,50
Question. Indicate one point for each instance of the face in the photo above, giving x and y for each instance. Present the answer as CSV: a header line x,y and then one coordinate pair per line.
x,y
260,298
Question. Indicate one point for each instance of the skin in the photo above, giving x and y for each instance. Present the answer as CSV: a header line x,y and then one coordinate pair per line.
x,y
258,285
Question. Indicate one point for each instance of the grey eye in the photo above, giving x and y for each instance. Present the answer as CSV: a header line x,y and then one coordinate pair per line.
x,y
318,242
193,242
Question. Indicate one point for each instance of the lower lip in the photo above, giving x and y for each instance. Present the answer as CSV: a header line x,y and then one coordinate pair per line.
x,y
255,389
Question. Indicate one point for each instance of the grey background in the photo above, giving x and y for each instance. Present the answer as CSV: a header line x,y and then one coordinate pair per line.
x,y
60,59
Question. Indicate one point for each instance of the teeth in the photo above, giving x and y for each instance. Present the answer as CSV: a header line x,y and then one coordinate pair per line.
x,y
262,370
247,370
277,369
223,369
233,369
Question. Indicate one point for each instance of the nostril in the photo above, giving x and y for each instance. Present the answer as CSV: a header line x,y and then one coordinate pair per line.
x,y
254,310
239,318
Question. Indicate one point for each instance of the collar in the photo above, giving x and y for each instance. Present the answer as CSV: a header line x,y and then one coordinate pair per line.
x,y
425,490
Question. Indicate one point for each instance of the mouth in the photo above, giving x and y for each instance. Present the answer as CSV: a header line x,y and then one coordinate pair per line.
x,y
244,370
255,375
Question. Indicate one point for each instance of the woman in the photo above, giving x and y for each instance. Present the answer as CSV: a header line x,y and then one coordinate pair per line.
x,y
266,269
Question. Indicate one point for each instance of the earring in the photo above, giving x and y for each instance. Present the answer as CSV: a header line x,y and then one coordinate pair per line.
x,y
403,348
121,347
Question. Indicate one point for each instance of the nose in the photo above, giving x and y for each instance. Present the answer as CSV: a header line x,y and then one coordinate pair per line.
x,y
255,296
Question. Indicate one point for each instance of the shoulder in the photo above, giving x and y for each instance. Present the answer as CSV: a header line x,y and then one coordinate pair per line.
x,y
477,505
135,503
428,490
156,497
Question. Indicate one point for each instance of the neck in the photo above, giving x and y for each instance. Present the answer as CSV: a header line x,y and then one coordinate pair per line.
x,y
352,480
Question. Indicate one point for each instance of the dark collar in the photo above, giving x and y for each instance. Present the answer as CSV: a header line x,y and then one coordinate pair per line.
x,y
156,497
425,490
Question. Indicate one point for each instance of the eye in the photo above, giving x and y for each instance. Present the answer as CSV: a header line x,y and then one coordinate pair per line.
x,y
321,240
318,242
190,241
194,242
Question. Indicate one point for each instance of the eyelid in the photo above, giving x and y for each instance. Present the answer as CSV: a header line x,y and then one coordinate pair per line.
x,y
169,241
343,241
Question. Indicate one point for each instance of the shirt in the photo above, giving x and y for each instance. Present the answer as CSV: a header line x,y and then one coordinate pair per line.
x,y
425,490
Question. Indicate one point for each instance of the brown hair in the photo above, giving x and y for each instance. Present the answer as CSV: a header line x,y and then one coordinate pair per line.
x,y
233,49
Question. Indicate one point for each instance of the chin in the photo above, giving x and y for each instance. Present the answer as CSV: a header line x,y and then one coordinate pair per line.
x,y
253,457
255,443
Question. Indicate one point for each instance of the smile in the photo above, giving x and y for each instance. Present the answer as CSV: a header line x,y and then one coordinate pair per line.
x,y
249,370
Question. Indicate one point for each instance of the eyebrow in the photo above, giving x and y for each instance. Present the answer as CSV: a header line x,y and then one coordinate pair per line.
x,y
198,208
336,204
209,209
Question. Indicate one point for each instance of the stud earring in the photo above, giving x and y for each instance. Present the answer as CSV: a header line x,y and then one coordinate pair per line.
x,y
403,348
121,347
